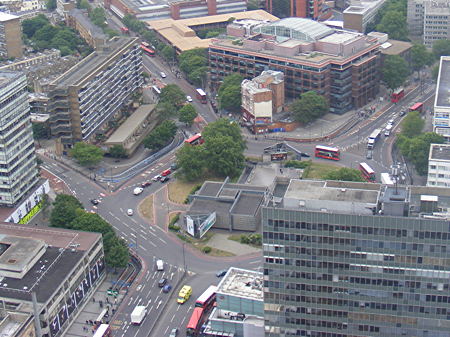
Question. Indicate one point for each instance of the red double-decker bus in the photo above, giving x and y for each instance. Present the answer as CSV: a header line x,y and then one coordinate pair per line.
x,y
198,317
203,307
367,172
327,152
195,140
201,95
103,330
397,95
207,299
148,51
417,107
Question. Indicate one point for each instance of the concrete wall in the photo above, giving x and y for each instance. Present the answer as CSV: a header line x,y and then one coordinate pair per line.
x,y
13,38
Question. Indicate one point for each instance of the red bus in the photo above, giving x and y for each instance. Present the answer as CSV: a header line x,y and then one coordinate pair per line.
x,y
103,331
195,140
148,51
201,95
397,95
207,299
196,321
327,152
417,107
367,172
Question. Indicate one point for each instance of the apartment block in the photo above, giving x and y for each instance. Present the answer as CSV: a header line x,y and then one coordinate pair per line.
x,y
262,97
441,117
356,259
87,96
414,17
439,165
312,9
92,34
10,36
18,168
342,66
359,14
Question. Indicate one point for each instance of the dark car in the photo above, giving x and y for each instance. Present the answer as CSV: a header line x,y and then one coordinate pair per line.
x,y
304,154
146,184
221,273
167,288
174,332
402,113
94,202
162,282
164,179
173,167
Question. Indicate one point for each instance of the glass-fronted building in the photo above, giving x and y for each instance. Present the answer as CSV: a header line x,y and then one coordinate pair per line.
x,y
357,259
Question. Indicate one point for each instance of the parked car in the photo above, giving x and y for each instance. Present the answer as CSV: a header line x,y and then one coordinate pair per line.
x,y
146,184
164,179
189,99
221,273
174,332
94,202
129,212
162,282
167,288
163,74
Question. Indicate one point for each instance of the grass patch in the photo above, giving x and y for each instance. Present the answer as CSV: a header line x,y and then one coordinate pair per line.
x,y
173,219
202,244
146,208
319,170
253,240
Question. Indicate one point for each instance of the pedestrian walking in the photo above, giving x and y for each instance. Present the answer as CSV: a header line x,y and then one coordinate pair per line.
x,y
93,299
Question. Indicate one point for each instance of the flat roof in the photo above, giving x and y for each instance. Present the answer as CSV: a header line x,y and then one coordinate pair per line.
x,y
443,85
440,152
17,252
202,206
340,37
247,203
395,47
94,30
6,17
180,34
210,188
242,283
124,131
7,77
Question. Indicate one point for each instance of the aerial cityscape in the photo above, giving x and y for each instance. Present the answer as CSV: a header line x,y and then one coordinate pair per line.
x,y
225,168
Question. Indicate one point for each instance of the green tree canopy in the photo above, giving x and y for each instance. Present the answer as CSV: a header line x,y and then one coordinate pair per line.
x,y
395,71
64,210
435,72
51,5
30,26
187,114
168,53
441,48
40,130
194,63
191,162
230,93
420,57
118,151
224,127
46,33
309,107
412,124
281,8
161,135
166,110
224,156
344,174
394,23
86,154
190,64
172,94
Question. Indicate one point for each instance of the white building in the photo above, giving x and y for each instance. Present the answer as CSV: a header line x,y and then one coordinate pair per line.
x,y
441,118
18,168
439,165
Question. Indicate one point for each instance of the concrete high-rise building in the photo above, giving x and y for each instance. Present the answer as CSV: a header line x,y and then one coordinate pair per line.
x,y
10,36
439,165
357,16
441,117
356,259
87,96
18,168
414,17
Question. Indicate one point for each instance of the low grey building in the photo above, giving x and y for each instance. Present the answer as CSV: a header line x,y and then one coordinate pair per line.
x,y
225,205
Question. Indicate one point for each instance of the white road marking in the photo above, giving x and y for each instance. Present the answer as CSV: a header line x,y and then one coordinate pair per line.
x,y
173,317
159,303
144,249
162,240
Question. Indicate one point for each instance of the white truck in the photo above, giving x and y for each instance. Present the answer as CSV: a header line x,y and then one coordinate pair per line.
x,y
373,138
159,265
138,314
386,179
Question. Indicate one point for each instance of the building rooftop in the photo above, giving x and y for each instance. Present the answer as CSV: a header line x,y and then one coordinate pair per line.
x,y
443,84
180,34
129,126
7,77
6,17
16,253
94,62
363,7
242,283
340,37
247,203
440,152
395,47
94,30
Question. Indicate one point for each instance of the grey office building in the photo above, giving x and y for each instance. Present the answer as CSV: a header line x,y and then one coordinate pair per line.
x,y
356,259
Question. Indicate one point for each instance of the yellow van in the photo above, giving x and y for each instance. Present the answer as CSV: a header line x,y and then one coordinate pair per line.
x,y
184,294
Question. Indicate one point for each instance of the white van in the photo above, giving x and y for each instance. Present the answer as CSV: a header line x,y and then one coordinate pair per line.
x,y
387,131
159,265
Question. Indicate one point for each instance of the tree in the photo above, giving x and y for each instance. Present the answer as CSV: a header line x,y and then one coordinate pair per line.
x,y
160,135
86,154
40,130
45,33
420,57
190,162
395,71
223,156
172,93
64,210
166,110
168,53
223,127
230,93
30,26
435,72
51,5
198,76
281,8
412,124
187,114
118,256
309,107
192,63
344,174
394,23
118,151
441,48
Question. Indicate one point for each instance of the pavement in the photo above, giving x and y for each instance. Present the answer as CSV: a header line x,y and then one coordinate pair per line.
x,y
220,241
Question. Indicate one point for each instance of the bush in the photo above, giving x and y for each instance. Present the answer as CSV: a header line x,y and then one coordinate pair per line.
x,y
297,164
206,249
174,220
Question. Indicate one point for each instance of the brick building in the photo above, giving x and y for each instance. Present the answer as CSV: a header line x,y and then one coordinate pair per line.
x,y
312,9
343,66
10,36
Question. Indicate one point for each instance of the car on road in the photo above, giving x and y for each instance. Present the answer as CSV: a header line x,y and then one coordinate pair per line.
x,y
173,167
167,288
156,178
221,273
138,190
184,294
174,332
163,74
402,113
391,121
129,212
189,99
164,179
146,184
369,154
304,154
166,172
95,201
162,282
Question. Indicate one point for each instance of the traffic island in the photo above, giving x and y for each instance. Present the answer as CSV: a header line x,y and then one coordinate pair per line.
x,y
145,208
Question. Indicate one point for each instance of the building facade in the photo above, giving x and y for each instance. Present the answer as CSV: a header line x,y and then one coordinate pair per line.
x,y
439,165
358,16
18,167
357,259
311,9
414,17
342,66
92,34
10,36
87,96
441,117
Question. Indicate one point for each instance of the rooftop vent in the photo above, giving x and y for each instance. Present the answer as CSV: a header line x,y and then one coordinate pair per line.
x,y
12,261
